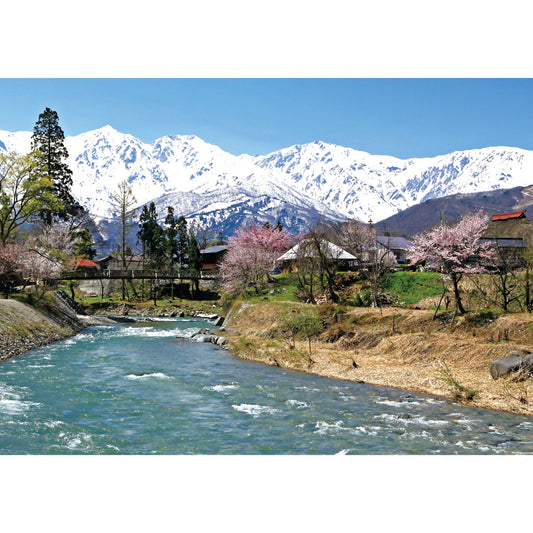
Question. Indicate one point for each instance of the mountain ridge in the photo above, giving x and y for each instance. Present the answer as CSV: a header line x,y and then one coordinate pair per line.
x,y
298,184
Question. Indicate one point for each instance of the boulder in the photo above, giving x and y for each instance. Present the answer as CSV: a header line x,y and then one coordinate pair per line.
x,y
219,321
205,338
520,360
221,341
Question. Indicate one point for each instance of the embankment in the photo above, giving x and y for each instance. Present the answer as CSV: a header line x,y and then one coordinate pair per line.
x,y
52,318
398,348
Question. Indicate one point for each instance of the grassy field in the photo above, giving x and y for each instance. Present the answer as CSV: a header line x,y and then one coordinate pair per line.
x,y
412,287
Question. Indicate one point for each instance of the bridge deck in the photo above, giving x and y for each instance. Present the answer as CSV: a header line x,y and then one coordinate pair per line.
x,y
139,274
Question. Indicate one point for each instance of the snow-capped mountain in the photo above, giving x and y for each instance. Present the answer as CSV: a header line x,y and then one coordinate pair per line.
x,y
298,184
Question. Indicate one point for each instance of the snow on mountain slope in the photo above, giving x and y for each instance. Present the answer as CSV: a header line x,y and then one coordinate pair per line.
x,y
19,141
213,187
357,184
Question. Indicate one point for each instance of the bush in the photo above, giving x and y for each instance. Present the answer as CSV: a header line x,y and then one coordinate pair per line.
x,y
301,323
477,319
363,299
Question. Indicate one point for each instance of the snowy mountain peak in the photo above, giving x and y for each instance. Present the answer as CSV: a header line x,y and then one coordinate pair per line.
x,y
298,184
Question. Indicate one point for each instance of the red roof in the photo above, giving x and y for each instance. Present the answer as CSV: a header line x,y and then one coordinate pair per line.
x,y
86,263
507,216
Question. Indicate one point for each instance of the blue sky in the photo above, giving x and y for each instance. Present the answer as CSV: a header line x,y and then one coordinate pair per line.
x,y
400,117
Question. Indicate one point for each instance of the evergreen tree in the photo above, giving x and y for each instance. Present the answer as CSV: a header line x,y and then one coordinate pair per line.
x,y
151,235
194,257
171,234
182,240
84,244
49,139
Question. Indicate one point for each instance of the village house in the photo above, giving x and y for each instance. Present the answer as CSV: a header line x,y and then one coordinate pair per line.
x,y
114,262
510,226
509,234
399,246
344,260
86,265
212,256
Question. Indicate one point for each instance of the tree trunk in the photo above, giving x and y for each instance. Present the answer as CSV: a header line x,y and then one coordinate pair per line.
x,y
458,303
528,297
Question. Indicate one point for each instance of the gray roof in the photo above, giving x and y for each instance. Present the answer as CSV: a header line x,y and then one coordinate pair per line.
x,y
215,249
395,243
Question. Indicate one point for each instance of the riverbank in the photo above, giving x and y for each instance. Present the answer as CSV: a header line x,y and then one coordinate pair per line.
x,y
400,348
51,318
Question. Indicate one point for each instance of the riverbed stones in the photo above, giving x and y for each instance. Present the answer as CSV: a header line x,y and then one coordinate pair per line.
x,y
206,335
514,362
205,338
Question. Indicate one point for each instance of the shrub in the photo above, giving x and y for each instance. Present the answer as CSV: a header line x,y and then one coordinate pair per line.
x,y
363,299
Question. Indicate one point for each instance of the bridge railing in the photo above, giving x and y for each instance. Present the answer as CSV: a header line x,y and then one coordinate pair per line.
x,y
164,274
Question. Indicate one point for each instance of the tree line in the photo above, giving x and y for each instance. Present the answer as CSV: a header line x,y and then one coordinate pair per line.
x,y
41,224
43,229
171,245
458,251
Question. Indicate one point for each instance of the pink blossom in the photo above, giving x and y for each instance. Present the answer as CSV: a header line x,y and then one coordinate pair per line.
x,y
252,253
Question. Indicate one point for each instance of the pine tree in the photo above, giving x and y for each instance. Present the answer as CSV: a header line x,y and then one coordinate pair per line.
x,y
171,234
152,237
182,239
195,261
49,139
84,244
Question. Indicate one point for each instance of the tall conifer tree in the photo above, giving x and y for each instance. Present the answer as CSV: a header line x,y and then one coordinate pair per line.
x,y
49,139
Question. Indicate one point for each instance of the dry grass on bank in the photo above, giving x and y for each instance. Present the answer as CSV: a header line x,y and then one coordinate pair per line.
x,y
400,348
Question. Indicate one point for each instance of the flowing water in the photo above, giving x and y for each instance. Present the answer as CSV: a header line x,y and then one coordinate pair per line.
x,y
145,388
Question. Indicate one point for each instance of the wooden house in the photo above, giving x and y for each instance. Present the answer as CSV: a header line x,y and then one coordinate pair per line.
x,y
509,234
212,256
114,262
510,226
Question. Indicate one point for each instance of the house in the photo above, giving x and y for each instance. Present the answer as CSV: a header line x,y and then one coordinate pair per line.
x,y
509,234
86,264
212,256
399,246
343,259
510,226
114,262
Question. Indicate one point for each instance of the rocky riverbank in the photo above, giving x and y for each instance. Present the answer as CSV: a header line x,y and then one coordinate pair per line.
x,y
133,309
52,318
400,348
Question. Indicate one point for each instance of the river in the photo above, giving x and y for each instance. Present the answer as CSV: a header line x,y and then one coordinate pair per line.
x,y
145,388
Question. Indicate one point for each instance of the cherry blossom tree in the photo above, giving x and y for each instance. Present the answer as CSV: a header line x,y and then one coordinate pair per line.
x,y
251,256
456,249
11,266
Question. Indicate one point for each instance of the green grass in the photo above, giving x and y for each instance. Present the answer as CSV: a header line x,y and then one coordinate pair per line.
x,y
411,287
283,289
